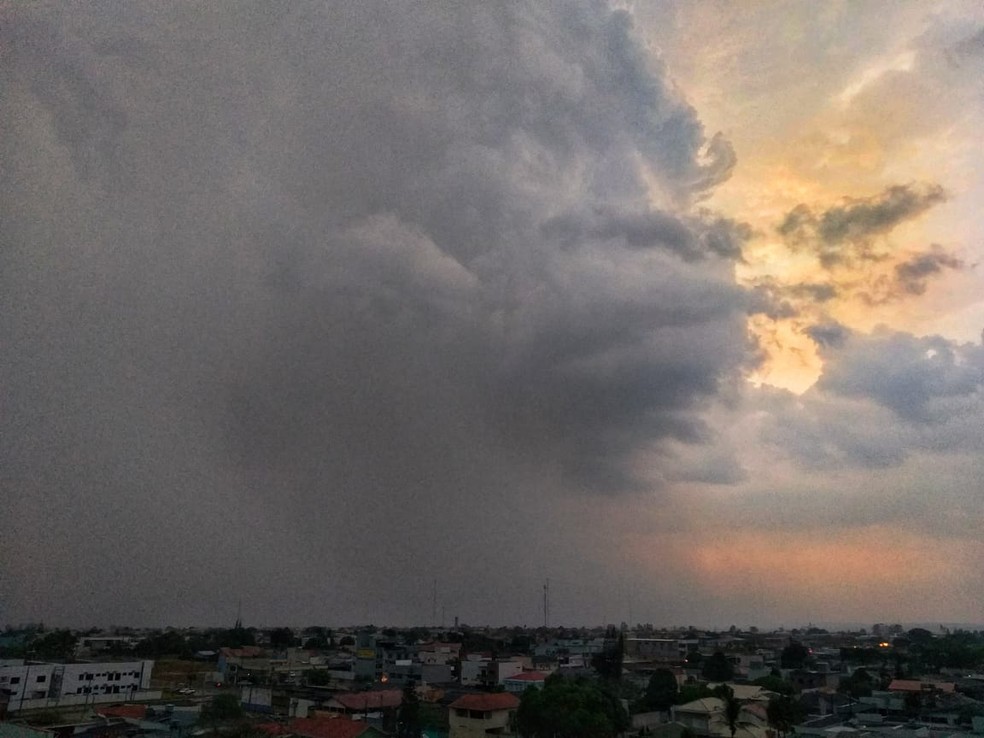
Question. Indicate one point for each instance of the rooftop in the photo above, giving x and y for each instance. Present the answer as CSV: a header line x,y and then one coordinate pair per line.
x,y
487,702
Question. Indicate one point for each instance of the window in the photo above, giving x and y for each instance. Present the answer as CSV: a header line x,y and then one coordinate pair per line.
x,y
42,678
15,680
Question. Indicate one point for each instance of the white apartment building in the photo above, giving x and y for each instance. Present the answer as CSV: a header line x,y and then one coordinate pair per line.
x,y
27,683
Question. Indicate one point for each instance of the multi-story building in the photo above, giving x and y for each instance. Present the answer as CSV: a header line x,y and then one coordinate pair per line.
x,y
27,684
481,715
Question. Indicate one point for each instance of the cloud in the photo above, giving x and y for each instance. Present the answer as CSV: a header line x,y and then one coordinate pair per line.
x,y
842,234
881,399
913,377
691,238
913,273
314,299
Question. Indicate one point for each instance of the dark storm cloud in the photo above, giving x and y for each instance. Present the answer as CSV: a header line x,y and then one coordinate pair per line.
x,y
911,376
690,238
913,274
292,304
776,300
843,233
828,335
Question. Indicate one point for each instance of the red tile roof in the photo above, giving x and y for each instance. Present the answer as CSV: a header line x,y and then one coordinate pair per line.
x,y
380,699
327,728
273,729
487,702
246,652
914,685
527,676
138,712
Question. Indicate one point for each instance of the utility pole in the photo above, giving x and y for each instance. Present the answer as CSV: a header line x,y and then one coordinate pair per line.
x,y
546,603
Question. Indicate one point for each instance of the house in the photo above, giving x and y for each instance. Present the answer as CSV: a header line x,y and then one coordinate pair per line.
x,y
481,715
438,653
519,683
705,717
358,703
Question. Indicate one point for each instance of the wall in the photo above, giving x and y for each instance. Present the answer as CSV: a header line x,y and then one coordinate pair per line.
x,y
466,726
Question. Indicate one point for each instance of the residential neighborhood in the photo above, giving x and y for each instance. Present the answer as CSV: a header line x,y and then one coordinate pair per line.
x,y
469,682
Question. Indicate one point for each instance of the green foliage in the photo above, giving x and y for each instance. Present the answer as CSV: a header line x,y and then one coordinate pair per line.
x,y
236,637
691,692
859,655
317,677
662,692
732,707
775,684
794,656
566,708
717,668
919,635
281,638
433,717
858,684
57,645
960,650
164,643
784,712
408,723
608,663
222,708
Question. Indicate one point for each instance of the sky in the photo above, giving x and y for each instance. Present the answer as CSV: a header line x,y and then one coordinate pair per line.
x,y
322,307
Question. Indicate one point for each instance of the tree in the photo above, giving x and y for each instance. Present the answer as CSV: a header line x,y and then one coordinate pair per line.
x,y
920,635
608,663
281,638
570,708
775,684
794,656
784,712
236,637
858,684
222,708
717,668
408,716
732,707
58,645
691,692
662,691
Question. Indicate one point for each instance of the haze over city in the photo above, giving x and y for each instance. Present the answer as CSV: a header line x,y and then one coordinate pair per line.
x,y
355,312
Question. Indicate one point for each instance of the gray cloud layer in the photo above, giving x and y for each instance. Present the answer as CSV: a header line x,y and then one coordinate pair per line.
x,y
310,303
842,233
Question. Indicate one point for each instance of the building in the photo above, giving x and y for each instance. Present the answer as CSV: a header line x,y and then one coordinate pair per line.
x,y
38,685
519,683
481,715
654,649
705,717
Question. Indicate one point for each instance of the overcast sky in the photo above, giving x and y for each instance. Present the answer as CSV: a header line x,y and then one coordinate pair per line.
x,y
313,304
